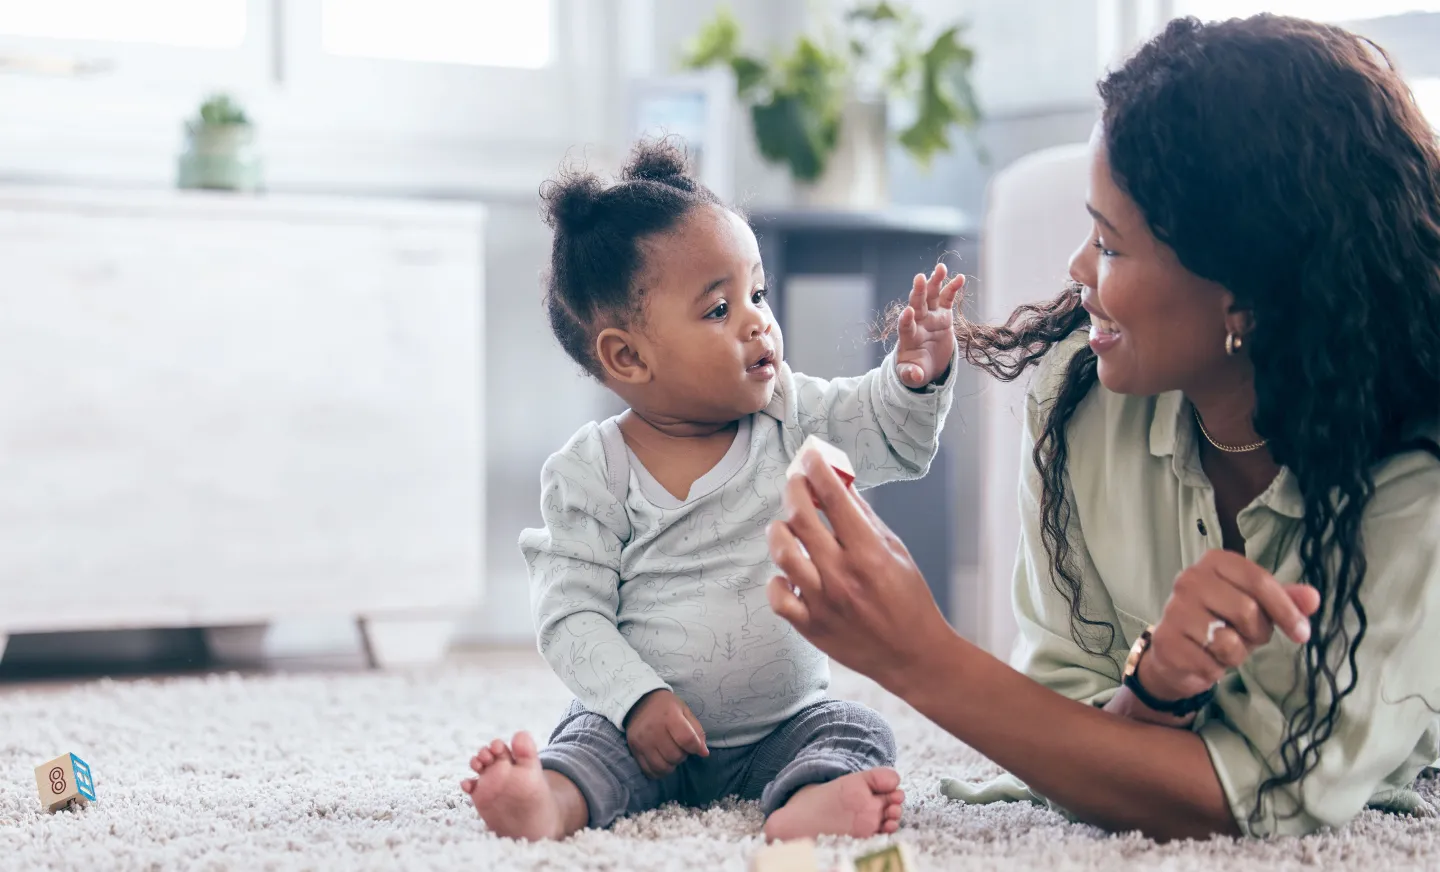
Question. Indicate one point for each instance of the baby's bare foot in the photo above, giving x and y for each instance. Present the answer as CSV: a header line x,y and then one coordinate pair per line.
x,y
860,804
510,791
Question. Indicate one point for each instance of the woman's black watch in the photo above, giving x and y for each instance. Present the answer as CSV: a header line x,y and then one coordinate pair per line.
x,y
1131,679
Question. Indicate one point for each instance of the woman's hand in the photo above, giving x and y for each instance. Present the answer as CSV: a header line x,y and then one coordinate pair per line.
x,y
1221,610
927,328
861,598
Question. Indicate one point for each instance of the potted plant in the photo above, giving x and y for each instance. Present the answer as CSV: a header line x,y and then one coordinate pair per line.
x,y
820,109
220,151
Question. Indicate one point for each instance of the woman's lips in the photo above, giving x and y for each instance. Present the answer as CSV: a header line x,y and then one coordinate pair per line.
x,y
1104,333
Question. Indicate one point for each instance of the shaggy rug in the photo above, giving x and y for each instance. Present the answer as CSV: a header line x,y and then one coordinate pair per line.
x,y
351,770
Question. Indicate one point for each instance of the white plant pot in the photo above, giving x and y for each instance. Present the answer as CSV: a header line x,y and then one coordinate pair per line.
x,y
855,178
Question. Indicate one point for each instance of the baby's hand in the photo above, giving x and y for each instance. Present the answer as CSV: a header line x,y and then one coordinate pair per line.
x,y
662,731
927,329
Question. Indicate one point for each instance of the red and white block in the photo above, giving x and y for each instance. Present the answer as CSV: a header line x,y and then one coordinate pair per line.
x,y
829,453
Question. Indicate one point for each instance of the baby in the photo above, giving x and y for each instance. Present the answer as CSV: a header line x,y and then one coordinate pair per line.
x,y
649,579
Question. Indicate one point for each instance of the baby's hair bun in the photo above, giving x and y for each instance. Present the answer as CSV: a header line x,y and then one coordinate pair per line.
x,y
571,201
659,160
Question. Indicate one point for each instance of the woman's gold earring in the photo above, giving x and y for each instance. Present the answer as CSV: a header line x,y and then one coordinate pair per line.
x,y
1233,344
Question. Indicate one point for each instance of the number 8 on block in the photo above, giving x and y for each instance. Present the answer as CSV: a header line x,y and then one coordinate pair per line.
x,y
64,780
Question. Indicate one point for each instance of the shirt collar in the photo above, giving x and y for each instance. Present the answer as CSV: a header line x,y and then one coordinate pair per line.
x,y
1165,422
1173,435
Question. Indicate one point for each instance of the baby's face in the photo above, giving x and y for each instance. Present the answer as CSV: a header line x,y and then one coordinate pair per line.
x,y
714,343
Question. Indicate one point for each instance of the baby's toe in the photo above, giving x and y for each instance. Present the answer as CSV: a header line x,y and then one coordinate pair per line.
x,y
468,785
894,812
896,798
889,827
499,749
883,780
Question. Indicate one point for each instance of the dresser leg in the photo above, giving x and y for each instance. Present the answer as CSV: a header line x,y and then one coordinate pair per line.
x,y
237,646
391,642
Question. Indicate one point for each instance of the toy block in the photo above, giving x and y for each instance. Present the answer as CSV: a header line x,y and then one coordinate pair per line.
x,y
834,456
63,781
893,858
797,856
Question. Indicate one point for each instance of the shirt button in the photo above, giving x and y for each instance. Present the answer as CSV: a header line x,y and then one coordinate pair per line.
x,y
1200,525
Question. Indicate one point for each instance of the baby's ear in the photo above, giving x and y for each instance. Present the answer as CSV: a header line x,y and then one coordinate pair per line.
x,y
621,357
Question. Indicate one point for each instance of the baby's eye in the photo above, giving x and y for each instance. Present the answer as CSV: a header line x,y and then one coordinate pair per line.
x,y
719,312
759,296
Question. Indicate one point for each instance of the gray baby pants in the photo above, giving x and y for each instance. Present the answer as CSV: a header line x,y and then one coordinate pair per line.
x,y
823,742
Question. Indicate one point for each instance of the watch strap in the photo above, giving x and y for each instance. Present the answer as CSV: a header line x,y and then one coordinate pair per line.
x,y
1176,707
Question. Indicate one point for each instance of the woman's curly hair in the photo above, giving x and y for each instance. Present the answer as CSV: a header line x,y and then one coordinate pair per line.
x,y
1287,161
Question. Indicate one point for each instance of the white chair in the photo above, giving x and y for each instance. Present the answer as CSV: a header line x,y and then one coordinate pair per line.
x,y
1034,218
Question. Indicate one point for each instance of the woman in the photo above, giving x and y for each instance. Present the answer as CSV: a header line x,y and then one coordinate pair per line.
x,y
1247,443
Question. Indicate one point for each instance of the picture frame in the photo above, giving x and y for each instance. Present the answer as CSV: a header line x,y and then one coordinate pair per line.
x,y
698,109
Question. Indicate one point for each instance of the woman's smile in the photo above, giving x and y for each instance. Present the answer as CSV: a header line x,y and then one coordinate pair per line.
x,y
1104,333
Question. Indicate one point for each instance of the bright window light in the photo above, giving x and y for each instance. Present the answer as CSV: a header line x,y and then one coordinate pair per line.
x,y
189,23
1315,10
1427,94
498,33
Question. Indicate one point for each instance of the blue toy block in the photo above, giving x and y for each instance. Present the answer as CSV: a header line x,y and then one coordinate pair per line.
x,y
84,782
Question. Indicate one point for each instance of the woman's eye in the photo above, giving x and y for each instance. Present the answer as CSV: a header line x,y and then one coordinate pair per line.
x,y
719,311
760,295
1100,247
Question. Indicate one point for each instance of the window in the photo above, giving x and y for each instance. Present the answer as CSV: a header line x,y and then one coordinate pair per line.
x,y
370,94
1407,29
209,24
1318,10
500,33
1427,94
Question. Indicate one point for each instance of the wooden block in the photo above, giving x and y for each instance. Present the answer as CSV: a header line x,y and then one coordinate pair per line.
x,y
893,858
797,856
834,456
64,780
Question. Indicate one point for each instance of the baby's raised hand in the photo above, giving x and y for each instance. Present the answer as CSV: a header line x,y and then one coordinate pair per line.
x,y
661,732
927,328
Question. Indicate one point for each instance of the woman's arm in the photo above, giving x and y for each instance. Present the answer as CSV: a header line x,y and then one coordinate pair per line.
x,y
1112,771
874,613
857,595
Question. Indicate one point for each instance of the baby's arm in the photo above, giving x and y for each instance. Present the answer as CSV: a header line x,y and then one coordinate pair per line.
x,y
574,564
890,431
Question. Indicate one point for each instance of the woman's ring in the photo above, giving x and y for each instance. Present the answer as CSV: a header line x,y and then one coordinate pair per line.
x,y
1210,631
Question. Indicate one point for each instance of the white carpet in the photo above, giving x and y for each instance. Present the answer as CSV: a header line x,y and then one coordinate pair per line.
x,y
359,771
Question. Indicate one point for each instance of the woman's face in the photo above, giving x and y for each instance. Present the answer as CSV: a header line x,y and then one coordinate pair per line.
x,y
1156,326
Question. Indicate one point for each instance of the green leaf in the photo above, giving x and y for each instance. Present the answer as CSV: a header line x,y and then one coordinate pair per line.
x,y
750,75
791,131
905,66
875,13
800,124
797,99
945,97
219,110
718,42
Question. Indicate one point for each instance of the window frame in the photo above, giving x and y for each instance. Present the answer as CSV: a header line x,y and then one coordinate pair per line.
x,y
326,122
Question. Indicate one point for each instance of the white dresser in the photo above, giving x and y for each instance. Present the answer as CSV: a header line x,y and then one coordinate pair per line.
x,y
221,411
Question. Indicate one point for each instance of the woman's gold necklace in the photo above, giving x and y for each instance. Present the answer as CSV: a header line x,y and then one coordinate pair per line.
x,y
1228,449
